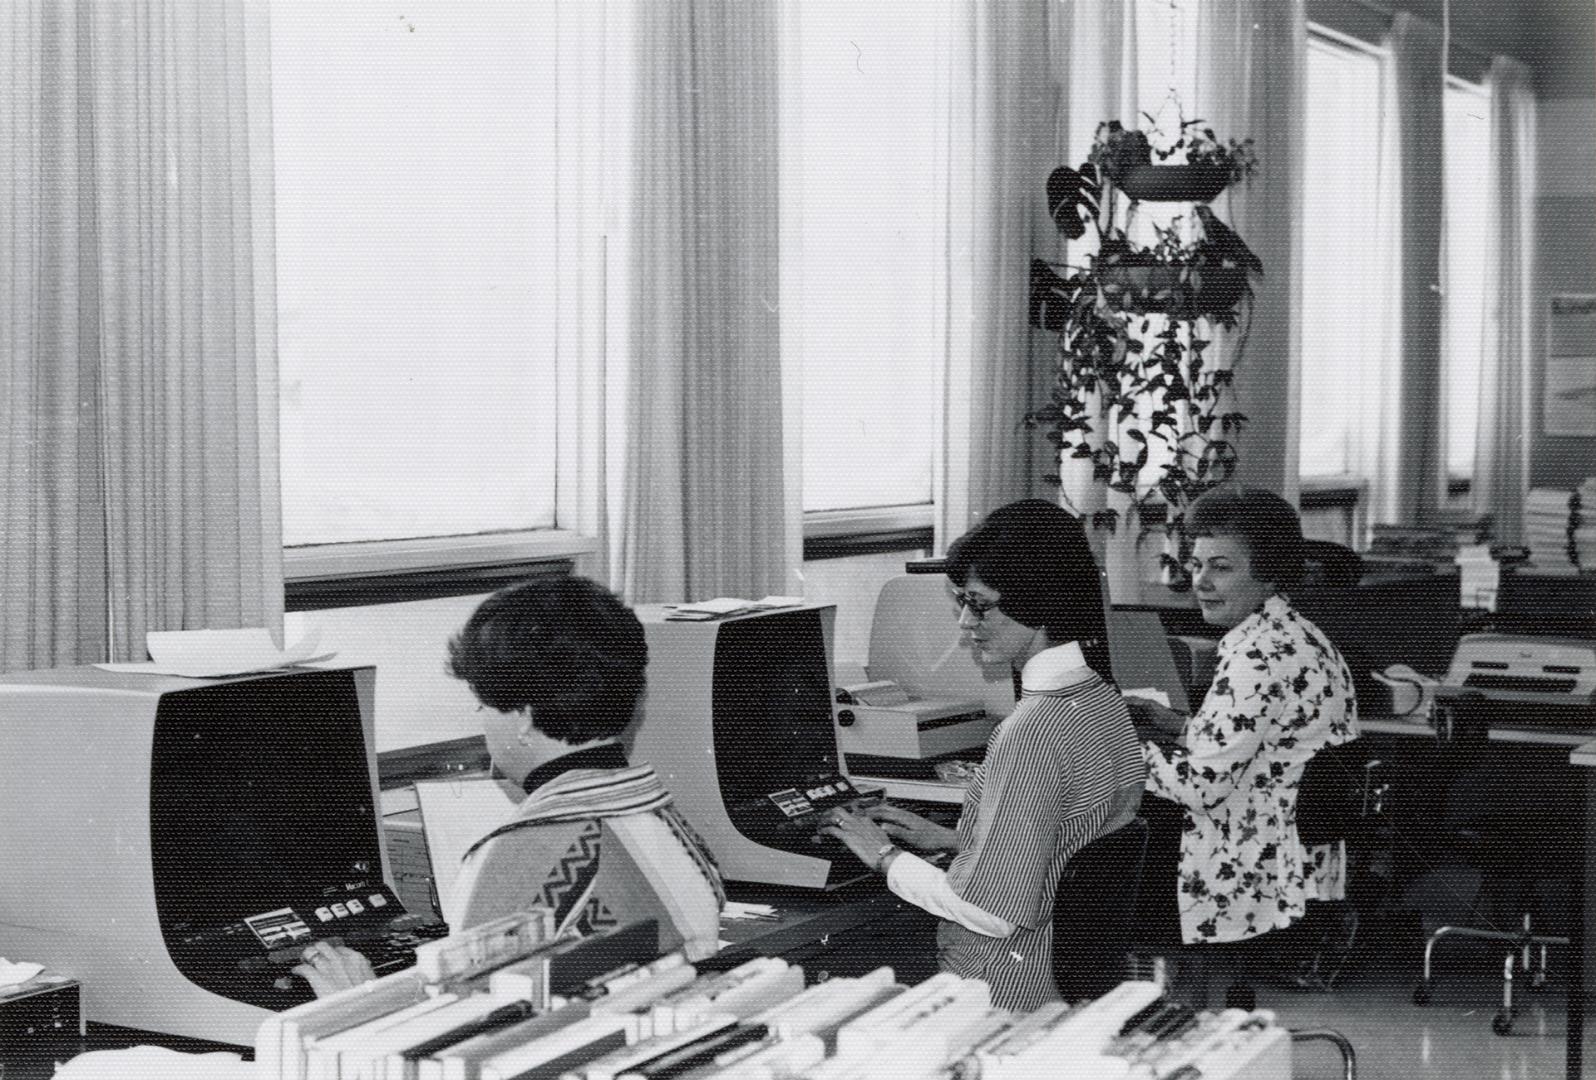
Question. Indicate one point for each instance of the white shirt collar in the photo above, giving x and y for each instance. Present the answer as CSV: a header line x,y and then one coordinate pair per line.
x,y
1054,668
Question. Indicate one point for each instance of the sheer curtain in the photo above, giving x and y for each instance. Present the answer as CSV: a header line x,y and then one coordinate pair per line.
x,y
1001,148
138,485
1501,465
1408,488
592,88
1250,57
709,506
1095,74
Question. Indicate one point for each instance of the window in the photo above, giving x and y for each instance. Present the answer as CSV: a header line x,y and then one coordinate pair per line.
x,y
1468,229
416,267
864,198
1344,260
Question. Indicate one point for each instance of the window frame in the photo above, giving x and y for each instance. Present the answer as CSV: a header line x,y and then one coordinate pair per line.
x,y
1345,489
1459,488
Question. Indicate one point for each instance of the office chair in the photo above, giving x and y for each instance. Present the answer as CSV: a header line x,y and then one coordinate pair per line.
x,y
1494,843
1332,565
1094,910
1342,797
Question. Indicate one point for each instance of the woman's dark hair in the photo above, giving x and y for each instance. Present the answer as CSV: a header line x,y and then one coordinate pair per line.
x,y
1035,554
563,646
1260,519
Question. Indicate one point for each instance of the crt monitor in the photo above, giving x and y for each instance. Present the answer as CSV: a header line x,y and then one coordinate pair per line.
x,y
738,720
164,836
1412,620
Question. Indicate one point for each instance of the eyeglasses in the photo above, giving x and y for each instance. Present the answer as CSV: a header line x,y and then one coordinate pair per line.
x,y
975,605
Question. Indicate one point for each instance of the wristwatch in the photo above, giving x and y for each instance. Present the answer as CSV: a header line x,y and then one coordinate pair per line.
x,y
884,857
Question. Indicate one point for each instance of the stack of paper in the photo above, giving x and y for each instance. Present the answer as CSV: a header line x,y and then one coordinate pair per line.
x,y
723,606
1584,525
1547,525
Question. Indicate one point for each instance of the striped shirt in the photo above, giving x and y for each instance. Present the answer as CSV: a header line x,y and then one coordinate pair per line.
x,y
1053,776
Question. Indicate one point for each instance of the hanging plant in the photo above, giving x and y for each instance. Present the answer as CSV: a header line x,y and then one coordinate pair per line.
x,y
1134,322
1195,167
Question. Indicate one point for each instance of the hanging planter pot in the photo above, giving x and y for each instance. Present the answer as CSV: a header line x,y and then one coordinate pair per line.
x,y
1173,183
1171,289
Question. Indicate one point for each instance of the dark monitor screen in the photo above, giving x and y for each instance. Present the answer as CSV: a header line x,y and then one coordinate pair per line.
x,y
1556,604
1376,624
772,704
260,797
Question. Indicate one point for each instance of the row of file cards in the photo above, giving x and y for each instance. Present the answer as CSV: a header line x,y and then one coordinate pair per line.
x,y
506,1001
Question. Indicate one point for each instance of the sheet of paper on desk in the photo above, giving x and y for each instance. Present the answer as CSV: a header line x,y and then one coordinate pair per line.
x,y
736,910
1148,694
722,606
209,654
454,815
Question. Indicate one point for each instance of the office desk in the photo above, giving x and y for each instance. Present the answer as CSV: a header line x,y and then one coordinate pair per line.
x,y
1551,744
1582,960
845,933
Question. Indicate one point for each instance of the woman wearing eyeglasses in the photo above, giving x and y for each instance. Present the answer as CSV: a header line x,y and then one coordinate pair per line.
x,y
1061,770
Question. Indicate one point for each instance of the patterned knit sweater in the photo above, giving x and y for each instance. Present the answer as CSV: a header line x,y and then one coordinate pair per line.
x,y
600,848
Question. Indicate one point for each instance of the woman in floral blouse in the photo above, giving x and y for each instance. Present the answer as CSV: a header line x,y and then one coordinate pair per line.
x,y
1280,693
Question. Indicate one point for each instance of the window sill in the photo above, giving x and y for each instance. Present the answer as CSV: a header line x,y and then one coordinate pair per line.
x,y
1338,490
319,562
826,524
839,534
393,571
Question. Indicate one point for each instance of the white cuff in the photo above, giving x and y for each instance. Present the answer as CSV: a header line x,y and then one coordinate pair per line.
x,y
924,886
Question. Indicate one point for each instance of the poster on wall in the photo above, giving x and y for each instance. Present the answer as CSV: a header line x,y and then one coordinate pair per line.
x,y
1568,401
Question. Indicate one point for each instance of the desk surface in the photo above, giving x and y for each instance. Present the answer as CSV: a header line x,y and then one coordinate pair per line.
x,y
1570,737
849,931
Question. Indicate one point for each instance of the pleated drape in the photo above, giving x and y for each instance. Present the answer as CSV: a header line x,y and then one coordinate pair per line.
x,y
1501,456
1001,147
1250,86
709,509
138,355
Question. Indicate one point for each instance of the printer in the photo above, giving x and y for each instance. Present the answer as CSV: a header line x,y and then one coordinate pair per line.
x,y
882,719
1518,680
924,696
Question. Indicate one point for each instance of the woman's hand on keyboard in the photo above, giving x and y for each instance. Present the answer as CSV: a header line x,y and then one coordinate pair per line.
x,y
912,830
329,968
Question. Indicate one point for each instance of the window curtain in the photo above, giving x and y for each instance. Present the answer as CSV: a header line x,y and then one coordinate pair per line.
x,y
1407,487
1501,463
590,158
138,486
1001,147
709,507
1250,57
1093,79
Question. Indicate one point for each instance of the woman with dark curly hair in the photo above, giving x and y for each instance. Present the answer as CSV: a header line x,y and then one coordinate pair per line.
x,y
1060,771
558,664
1280,693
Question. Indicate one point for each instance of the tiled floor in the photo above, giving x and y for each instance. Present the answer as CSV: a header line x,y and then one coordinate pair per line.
x,y
1450,1038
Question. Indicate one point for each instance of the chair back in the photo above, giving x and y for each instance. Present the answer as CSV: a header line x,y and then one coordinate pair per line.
x,y
1341,790
1094,911
1329,564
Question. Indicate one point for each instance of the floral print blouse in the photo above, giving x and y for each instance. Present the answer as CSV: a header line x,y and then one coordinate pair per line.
x,y
1281,691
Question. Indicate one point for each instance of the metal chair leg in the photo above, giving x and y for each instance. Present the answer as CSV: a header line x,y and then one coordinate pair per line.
x,y
1503,1023
1349,1056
